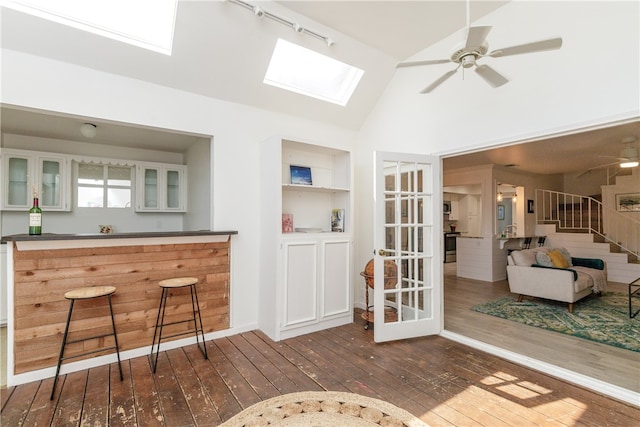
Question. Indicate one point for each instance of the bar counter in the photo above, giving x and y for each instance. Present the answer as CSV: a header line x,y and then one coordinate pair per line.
x,y
40,269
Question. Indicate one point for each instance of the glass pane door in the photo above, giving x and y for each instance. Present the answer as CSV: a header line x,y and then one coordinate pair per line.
x,y
18,186
151,188
408,261
173,189
50,195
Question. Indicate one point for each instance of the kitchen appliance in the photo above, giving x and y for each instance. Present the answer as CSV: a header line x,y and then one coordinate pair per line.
x,y
446,207
450,246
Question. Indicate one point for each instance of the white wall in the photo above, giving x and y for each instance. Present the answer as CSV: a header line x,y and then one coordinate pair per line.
x,y
199,160
585,83
40,83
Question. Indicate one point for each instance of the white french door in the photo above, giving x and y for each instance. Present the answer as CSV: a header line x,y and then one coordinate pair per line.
x,y
408,260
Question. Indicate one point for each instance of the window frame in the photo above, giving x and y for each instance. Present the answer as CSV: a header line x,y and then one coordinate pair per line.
x,y
105,186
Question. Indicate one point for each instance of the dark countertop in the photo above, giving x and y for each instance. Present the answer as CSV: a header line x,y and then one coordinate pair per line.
x,y
51,236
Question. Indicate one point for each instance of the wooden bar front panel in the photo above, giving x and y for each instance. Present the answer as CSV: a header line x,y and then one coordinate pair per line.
x,y
41,278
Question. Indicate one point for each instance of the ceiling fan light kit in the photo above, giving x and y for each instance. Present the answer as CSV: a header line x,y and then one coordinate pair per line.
x,y
629,155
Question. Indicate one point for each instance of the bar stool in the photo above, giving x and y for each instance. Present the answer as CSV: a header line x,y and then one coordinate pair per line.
x,y
87,294
167,285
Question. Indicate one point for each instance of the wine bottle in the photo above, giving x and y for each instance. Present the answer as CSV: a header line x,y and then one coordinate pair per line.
x,y
35,218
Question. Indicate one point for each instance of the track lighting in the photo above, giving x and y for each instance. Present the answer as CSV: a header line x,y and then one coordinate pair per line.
x,y
259,12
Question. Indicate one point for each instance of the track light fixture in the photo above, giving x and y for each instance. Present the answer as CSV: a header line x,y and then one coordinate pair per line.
x,y
259,12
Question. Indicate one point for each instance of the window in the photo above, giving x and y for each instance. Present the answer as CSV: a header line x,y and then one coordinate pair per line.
x,y
103,185
143,23
310,73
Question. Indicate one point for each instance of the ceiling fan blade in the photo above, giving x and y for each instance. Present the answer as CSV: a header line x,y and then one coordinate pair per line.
x,y
476,36
539,46
426,62
491,76
438,82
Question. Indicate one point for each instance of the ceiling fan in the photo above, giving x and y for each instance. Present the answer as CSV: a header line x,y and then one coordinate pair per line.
x,y
629,157
476,47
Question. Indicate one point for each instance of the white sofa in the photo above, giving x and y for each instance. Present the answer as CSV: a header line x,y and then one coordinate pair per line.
x,y
527,276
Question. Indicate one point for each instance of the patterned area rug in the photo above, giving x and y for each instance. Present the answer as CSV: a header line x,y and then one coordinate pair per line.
x,y
323,409
603,319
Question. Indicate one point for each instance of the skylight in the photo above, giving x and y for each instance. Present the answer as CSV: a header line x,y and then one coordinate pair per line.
x,y
310,73
143,23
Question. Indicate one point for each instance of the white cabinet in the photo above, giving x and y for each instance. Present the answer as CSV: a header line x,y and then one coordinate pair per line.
x,y
161,187
306,275
316,271
454,215
49,173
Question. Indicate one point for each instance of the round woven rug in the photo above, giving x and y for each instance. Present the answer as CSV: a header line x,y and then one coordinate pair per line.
x,y
323,409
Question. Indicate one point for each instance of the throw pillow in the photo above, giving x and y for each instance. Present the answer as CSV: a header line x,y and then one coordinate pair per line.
x,y
524,258
567,256
542,258
557,259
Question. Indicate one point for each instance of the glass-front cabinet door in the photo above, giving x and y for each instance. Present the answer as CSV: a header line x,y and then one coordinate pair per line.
x,y
27,171
174,188
16,191
161,188
150,189
52,192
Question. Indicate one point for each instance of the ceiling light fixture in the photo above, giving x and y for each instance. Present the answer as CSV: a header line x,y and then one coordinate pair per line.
x,y
514,199
88,130
259,12
629,155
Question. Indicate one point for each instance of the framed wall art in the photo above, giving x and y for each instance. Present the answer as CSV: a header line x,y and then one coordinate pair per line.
x,y
629,202
300,175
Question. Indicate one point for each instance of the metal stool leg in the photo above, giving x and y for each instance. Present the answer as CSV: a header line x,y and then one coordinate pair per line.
x,y
64,343
159,325
115,337
196,308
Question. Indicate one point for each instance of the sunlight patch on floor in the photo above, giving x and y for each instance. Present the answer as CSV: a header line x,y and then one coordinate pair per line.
x,y
525,393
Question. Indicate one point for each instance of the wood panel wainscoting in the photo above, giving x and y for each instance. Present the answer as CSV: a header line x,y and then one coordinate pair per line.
x,y
42,273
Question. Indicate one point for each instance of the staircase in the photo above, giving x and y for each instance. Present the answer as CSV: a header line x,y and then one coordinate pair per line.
x,y
589,229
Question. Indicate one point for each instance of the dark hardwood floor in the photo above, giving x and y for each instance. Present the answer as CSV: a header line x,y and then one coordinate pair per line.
x,y
440,381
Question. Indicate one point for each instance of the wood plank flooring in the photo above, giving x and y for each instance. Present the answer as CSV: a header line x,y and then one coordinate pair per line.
x,y
442,382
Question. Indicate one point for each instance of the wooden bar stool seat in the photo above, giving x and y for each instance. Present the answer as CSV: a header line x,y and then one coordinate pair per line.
x,y
198,329
87,294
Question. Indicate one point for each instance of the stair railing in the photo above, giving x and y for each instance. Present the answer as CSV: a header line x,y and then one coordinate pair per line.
x,y
574,212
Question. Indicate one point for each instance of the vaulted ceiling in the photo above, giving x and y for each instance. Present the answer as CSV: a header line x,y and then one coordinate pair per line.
x,y
222,50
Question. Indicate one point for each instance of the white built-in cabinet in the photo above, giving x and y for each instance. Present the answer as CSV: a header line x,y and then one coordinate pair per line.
x,y
454,215
48,173
306,275
161,188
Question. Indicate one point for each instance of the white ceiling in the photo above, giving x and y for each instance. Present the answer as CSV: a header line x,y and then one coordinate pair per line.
x,y
222,50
